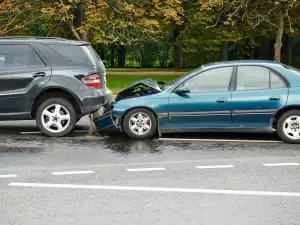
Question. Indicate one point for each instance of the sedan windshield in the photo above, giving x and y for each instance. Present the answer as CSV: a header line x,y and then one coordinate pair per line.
x,y
177,80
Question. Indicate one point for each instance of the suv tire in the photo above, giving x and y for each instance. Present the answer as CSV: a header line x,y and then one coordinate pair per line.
x,y
288,127
56,117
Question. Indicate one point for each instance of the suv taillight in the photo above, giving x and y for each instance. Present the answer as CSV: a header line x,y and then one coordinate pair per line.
x,y
92,81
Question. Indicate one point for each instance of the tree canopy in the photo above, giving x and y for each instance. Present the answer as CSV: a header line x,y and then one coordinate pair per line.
x,y
167,33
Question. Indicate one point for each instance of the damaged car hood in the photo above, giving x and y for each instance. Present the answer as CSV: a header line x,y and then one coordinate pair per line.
x,y
140,88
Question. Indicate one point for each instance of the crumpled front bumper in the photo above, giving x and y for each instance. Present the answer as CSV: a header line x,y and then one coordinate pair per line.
x,y
107,123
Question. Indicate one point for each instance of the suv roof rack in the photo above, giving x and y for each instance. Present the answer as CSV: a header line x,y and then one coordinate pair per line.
x,y
34,37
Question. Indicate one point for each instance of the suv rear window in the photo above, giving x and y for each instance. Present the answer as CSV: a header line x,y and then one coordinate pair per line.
x,y
19,56
72,53
93,53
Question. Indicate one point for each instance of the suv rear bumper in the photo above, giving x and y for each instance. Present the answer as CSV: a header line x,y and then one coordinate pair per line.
x,y
93,99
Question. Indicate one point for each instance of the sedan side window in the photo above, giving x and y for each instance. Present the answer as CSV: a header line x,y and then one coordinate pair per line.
x,y
252,78
214,80
276,81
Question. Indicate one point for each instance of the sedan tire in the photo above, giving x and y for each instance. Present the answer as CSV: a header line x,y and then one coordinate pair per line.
x,y
288,127
140,123
56,117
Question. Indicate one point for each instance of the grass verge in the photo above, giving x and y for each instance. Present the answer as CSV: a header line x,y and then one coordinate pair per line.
x,y
147,69
117,83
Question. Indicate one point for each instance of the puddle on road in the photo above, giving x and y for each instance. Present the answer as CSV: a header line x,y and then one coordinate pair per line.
x,y
118,143
126,146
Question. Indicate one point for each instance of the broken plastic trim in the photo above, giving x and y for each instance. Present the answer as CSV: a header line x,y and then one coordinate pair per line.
x,y
107,122
140,88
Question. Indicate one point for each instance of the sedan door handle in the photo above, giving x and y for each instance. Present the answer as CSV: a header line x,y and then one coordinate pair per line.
x,y
222,100
39,74
274,98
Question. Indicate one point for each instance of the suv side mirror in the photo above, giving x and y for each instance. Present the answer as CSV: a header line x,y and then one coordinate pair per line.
x,y
182,90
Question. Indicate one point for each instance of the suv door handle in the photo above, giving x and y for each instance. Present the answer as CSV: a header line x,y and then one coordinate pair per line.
x,y
39,74
222,100
274,98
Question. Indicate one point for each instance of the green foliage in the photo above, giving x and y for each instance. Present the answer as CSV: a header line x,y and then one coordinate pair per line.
x,y
149,30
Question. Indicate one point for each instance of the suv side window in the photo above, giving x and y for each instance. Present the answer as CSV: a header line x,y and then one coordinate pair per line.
x,y
72,53
257,78
214,80
18,56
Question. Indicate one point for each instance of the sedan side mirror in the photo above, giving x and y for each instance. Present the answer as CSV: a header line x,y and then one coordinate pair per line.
x,y
182,90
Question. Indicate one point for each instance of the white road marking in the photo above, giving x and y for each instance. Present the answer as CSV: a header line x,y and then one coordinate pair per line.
x,y
8,175
72,172
145,169
281,164
214,167
219,140
39,132
31,132
156,189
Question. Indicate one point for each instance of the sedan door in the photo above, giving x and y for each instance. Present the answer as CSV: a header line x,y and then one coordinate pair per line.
x,y
207,103
259,94
22,73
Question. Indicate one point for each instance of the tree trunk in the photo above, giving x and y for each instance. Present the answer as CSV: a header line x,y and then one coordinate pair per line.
x,y
254,54
278,43
121,56
290,48
74,31
177,56
79,14
71,25
224,52
112,60
176,50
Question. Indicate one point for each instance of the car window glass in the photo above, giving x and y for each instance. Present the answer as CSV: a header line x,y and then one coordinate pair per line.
x,y
276,81
94,53
214,80
252,78
35,60
53,57
18,56
72,53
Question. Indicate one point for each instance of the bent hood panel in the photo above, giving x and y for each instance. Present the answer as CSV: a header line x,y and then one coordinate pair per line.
x,y
140,88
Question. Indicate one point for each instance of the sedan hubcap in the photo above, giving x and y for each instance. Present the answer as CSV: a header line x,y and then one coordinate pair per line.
x,y
55,118
291,127
140,123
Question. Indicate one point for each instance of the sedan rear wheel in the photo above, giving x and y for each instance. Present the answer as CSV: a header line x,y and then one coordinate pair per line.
x,y
140,123
288,127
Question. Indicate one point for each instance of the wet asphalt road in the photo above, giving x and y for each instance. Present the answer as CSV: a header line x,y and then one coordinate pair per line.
x,y
111,189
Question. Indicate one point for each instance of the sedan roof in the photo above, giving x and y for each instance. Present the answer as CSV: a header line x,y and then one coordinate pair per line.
x,y
240,62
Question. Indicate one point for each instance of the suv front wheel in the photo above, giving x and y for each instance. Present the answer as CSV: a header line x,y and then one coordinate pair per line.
x,y
56,117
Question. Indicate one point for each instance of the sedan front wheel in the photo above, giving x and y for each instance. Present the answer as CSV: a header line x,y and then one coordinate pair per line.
x,y
140,123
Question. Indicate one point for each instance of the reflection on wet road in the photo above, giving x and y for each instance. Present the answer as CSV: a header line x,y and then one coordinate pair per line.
x,y
116,180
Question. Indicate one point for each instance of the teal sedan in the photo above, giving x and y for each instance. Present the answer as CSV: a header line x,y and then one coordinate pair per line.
x,y
218,96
